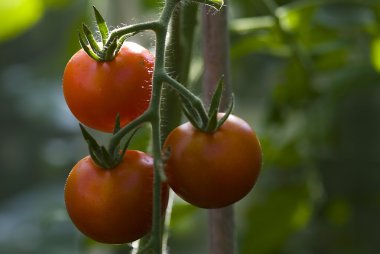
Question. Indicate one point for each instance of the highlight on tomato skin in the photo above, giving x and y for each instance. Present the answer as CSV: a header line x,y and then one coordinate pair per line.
x,y
113,206
213,170
96,92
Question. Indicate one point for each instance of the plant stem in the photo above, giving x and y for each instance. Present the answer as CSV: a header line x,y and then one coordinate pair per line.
x,y
179,48
159,69
195,101
152,25
152,114
216,63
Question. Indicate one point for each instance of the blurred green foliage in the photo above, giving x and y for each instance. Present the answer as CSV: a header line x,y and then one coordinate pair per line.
x,y
306,77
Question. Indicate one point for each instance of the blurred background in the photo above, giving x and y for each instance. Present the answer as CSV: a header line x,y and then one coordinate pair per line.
x,y
306,77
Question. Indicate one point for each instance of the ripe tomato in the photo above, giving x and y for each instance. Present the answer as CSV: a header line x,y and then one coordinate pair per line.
x,y
115,205
97,91
213,170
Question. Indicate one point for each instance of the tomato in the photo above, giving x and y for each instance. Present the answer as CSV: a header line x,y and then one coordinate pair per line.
x,y
113,205
213,170
96,92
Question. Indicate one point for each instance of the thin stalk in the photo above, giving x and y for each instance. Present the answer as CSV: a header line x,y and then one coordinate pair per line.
x,y
161,34
157,222
216,64
117,33
195,101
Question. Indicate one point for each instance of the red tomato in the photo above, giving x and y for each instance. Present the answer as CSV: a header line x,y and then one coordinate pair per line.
x,y
97,91
113,205
213,170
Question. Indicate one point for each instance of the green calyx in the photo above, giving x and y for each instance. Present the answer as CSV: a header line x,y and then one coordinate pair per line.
x,y
103,157
207,122
106,49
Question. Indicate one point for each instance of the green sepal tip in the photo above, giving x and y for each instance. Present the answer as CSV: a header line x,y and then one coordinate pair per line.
x,y
102,25
216,98
91,39
227,113
207,122
117,124
83,42
212,122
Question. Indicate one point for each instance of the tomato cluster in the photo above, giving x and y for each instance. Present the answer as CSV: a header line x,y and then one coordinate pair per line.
x,y
209,168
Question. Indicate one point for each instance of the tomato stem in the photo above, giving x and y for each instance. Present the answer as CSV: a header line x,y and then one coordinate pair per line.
x,y
117,33
184,92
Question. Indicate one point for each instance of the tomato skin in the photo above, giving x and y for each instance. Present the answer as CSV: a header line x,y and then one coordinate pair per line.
x,y
113,206
96,92
213,170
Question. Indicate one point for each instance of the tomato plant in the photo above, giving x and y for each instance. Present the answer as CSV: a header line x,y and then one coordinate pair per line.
x,y
107,198
113,205
213,170
97,91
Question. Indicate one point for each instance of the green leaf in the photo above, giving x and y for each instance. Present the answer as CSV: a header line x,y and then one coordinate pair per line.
x,y
102,26
217,96
90,38
87,49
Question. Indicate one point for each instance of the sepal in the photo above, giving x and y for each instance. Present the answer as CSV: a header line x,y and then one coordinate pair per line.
x,y
102,25
208,122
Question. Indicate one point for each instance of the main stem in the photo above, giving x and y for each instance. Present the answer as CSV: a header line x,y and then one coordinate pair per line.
x,y
159,73
152,114
216,61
